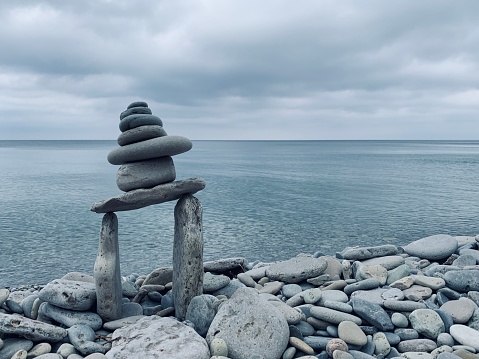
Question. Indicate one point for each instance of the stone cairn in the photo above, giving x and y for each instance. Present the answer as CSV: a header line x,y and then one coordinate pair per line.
x,y
147,176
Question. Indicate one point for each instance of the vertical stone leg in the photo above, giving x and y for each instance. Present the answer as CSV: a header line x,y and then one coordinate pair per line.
x,y
107,270
187,253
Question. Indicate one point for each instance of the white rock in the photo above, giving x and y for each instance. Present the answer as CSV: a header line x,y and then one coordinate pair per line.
x,y
465,335
166,337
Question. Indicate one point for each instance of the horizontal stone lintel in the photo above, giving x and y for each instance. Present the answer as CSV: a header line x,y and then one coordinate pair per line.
x,y
144,197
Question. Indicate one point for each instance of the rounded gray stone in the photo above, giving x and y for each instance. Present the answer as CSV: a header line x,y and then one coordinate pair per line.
x,y
145,174
403,305
250,325
465,335
82,337
361,253
351,333
427,322
213,282
201,312
69,294
364,284
141,133
137,110
30,329
388,262
137,104
70,318
131,310
372,313
39,349
399,320
153,148
417,345
435,247
137,120
463,280
460,310
13,345
333,316
290,290
296,269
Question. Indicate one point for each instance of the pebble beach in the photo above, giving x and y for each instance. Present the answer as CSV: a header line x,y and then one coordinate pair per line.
x,y
419,301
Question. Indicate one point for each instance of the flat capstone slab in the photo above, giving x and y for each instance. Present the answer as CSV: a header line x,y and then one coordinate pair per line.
x,y
141,133
143,197
145,150
296,269
138,120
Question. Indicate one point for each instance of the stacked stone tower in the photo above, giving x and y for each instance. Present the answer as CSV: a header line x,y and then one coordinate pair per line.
x,y
147,175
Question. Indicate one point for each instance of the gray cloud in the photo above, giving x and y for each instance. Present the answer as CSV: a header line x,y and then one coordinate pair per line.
x,y
241,70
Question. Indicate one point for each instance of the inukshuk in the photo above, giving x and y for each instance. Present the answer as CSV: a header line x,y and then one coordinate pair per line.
x,y
147,175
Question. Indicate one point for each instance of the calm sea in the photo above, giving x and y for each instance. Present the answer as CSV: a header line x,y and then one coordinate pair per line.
x,y
264,200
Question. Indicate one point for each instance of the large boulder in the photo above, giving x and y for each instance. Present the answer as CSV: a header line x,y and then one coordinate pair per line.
x,y
165,338
250,325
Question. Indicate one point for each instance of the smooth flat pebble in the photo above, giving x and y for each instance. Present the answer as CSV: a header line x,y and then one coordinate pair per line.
x,y
70,317
416,345
135,111
465,335
13,345
137,120
362,253
291,315
290,290
427,322
296,269
434,283
39,349
403,305
382,346
443,246
342,307
141,133
351,333
225,265
364,284
373,295
375,271
301,345
388,262
372,313
417,293
461,310
333,295
399,320
153,148
333,316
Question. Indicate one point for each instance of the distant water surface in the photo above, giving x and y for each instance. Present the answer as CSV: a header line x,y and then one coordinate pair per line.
x,y
264,200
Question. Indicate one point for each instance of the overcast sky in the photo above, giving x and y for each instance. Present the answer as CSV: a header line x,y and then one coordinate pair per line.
x,y
241,69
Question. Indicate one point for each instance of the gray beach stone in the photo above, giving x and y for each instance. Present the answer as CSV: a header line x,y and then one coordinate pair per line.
x,y
213,282
4,293
402,283
334,267
333,316
122,322
416,345
250,325
159,276
464,260
362,253
145,174
417,293
435,247
296,269
397,273
140,110
471,252
376,271
187,253
364,284
474,321
30,329
427,322
317,343
246,280
393,294
144,197
406,333
68,294
351,333
290,290
460,310
388,262
434,283
13,345
291,315
137,120
153,148
257,272
27,306
141,133
71,317
225,265
333,295
445,339
82,337
382,346
342,307
372,296
107,270
39,349
465,335
218,347
463,280
403,305
137,104
399,320
372,313
131,310
201,312
229,289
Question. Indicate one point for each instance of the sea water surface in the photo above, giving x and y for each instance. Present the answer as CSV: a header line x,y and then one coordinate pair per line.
x,y
264,200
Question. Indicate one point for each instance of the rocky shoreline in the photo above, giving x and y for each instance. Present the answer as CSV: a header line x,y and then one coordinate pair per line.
x,y
419,301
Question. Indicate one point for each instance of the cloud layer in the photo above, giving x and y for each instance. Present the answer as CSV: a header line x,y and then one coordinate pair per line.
x,y
241,69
